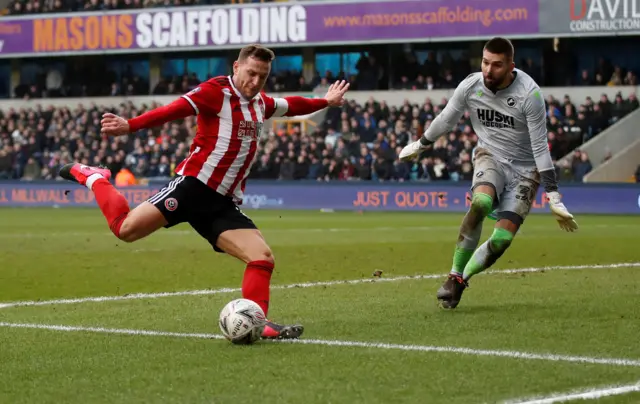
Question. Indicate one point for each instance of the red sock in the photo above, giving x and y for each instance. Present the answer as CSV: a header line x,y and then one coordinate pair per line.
x,y
256,281
113,204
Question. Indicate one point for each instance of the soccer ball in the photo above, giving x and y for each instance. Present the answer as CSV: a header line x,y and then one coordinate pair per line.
x,y
242,321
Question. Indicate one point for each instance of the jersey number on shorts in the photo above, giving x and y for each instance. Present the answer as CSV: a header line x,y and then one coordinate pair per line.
x,y
524,193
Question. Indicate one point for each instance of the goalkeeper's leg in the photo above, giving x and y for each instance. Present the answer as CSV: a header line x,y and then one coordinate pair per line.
x,y
515,206
492,249
470,231
471,227
488,185
486,255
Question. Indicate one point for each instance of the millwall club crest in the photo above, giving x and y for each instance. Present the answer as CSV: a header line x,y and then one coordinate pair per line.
x,y
511,102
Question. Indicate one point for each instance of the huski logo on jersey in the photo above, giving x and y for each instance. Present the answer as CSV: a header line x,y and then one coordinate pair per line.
x,y
494,119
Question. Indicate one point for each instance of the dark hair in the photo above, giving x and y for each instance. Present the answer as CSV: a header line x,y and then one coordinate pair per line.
x,y
500,46
256,51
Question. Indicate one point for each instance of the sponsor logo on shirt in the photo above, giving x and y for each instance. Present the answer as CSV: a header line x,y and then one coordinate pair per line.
x,y
495,119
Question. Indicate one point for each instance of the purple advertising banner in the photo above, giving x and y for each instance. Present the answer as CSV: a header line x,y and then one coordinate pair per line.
x,y
307,23
358,196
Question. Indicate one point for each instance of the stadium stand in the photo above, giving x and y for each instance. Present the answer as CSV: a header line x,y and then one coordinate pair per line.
x,y
356,142
359,142
96,76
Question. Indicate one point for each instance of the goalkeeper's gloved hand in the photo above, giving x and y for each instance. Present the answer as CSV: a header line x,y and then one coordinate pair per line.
x,y
411,151
560,212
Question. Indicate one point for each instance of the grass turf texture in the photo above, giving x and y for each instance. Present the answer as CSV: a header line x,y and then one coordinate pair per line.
x,y
48,254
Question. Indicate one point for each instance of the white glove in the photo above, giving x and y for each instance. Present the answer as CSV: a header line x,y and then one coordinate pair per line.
x,y
560,212
411,151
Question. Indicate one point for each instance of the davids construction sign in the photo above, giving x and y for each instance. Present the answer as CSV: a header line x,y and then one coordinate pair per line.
x,y
589,16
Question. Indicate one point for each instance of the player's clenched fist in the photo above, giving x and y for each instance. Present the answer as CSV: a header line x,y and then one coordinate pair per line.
x,y
114,125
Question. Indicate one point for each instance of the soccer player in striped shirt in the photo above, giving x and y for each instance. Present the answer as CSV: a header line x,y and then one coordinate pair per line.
x,y
210,182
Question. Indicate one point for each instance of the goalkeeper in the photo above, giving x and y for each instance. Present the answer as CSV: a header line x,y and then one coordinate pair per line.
x,y
511,160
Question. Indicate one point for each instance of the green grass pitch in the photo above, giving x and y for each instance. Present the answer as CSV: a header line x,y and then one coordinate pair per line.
x,y
372,341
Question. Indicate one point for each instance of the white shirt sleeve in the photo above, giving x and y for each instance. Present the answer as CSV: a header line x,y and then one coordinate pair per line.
x,y
451,113
536,116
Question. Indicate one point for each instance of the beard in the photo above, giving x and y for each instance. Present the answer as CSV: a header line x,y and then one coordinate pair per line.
x,y
493,83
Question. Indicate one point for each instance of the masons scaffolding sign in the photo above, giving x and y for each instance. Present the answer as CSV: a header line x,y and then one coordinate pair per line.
x,y
310,23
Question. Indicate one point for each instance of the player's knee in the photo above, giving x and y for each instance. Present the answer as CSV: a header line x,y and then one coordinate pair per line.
x,y
263,253
481,204
500,240
127,232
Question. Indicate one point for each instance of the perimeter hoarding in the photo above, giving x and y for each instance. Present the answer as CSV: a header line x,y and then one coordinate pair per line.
x,y
221,27
597,199
589,17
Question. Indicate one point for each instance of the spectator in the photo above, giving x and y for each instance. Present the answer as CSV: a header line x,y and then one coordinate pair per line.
x,y
583,167
32,170
630,79
619,108
301,169
287,169
125,178
322,87
315,169
5,163
363,169
585,79
381,169
401,170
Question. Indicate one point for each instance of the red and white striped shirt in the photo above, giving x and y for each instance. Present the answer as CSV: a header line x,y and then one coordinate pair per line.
x,y
228,131
229,127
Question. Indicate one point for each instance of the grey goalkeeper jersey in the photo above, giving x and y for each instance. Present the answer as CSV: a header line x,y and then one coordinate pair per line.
x,y
511,124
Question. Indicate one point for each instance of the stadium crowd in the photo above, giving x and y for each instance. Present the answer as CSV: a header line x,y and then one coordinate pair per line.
x,y
356,142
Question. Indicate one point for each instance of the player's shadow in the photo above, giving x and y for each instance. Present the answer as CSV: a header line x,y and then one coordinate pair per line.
x,y
505,309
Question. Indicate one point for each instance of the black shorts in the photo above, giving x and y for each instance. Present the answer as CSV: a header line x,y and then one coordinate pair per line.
x,y
187,199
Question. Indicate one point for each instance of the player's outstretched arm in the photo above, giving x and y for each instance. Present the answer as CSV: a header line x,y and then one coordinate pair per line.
x,y
204,98
113,125
442,124
297,106
537,125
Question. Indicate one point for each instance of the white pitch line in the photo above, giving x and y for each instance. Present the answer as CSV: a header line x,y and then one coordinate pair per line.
x,y
291,230
589,394
205,292
268,230
103,330
349,344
